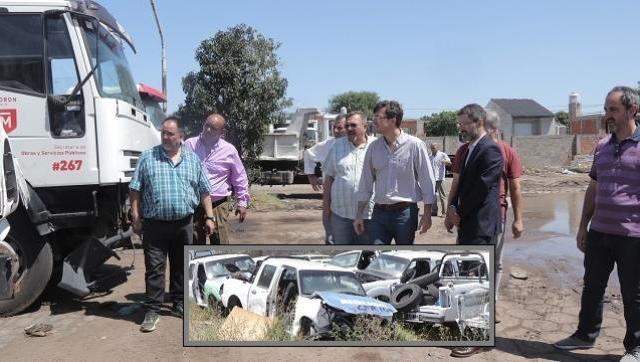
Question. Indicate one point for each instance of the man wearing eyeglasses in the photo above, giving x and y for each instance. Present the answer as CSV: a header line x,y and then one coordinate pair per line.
x,y
612,207
397,166
226,174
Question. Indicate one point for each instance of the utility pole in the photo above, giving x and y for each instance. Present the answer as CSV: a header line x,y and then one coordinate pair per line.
x,y
164,54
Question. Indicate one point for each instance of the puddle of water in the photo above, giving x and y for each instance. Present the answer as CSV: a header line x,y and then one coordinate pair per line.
x,y
551,222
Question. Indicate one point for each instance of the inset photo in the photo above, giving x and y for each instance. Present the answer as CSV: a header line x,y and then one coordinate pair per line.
x,y
339,295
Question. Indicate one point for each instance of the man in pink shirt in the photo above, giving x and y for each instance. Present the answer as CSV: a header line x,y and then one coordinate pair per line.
x,y
227,176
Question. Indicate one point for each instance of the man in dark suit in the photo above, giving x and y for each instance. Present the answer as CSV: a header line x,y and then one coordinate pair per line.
x,y
475,209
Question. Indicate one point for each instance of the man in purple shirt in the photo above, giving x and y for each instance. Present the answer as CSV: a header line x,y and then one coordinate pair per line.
x,y
612,204
227,176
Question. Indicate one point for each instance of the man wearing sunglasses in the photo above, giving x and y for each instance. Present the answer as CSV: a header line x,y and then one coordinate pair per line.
x,y
342,169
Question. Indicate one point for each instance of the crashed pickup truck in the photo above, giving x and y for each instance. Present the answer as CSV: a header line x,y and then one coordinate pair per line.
x,y
460,291
206,275
316,296
396,267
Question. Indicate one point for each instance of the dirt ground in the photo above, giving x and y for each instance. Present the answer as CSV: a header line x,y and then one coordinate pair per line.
x,y
296,219
534,312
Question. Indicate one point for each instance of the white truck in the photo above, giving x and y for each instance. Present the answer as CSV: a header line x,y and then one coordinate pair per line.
x,y
282,148
206,275
317,297
77,127
463,282
9,198
397,267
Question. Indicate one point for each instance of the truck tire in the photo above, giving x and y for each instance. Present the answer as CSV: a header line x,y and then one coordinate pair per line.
x,y
425,280
35,263
406,297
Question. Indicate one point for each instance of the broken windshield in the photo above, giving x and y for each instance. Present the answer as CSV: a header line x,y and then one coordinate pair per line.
x,y
217,268
329,281
390,265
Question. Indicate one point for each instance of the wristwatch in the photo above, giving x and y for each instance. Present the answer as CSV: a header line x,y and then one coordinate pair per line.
x,y
210,218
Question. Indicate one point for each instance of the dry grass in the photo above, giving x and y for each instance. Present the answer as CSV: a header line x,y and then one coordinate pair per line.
x,y
207,325
261,201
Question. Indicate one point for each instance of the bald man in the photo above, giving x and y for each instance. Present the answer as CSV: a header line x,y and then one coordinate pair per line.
x,y
226,174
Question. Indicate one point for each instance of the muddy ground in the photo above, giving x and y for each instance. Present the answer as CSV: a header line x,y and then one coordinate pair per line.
x,y
534,312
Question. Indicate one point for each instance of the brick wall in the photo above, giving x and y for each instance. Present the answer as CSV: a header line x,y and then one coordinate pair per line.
x,y
586,144
544,151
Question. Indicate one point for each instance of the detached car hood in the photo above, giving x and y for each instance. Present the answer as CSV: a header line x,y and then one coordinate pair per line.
x,y
355,304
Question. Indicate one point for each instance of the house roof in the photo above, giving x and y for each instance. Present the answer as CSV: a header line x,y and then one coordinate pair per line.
x,y
522,107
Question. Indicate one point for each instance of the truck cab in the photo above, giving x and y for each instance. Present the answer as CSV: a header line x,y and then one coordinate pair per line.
x,y
77,126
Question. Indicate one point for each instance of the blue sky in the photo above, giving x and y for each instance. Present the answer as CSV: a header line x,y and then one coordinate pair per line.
x,y
429,55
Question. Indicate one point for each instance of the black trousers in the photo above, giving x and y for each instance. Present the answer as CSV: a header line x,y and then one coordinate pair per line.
x,y
602,251
162,238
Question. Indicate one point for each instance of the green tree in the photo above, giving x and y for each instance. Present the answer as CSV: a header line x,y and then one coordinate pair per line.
x,y
562,117
355,102
239,78
441,124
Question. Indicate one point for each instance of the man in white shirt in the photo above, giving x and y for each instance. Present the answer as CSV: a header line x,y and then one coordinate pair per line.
x,y
397,166
316,154
319,152
439,161
342,170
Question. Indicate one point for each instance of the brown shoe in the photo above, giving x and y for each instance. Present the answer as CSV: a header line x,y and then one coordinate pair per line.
x,y
463,352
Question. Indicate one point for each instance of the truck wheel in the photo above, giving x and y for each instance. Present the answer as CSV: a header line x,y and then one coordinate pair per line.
x,y
406,297
35,263
232,303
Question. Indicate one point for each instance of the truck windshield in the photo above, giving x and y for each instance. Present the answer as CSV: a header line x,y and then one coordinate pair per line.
x,y
330,281
112,75
387,264
217,268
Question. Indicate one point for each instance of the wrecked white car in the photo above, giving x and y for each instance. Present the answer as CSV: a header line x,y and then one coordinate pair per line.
x,y
316,297
392,268
206,275
462,285
354,260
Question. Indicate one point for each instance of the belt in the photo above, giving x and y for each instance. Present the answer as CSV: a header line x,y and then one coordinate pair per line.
x,y
183,220
397,205
219,202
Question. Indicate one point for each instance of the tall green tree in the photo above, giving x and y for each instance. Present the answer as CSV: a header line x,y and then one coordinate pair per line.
x,y
355,102
562,117
441,124
239,78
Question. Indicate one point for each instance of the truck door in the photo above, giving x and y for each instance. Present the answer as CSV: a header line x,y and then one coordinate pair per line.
x,y
47,127
259,291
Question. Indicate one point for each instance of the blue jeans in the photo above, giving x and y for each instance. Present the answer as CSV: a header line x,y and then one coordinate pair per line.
x,y
343,232
398,224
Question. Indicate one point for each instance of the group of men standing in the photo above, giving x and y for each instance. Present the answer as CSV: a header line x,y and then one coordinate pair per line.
x,y
372,187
